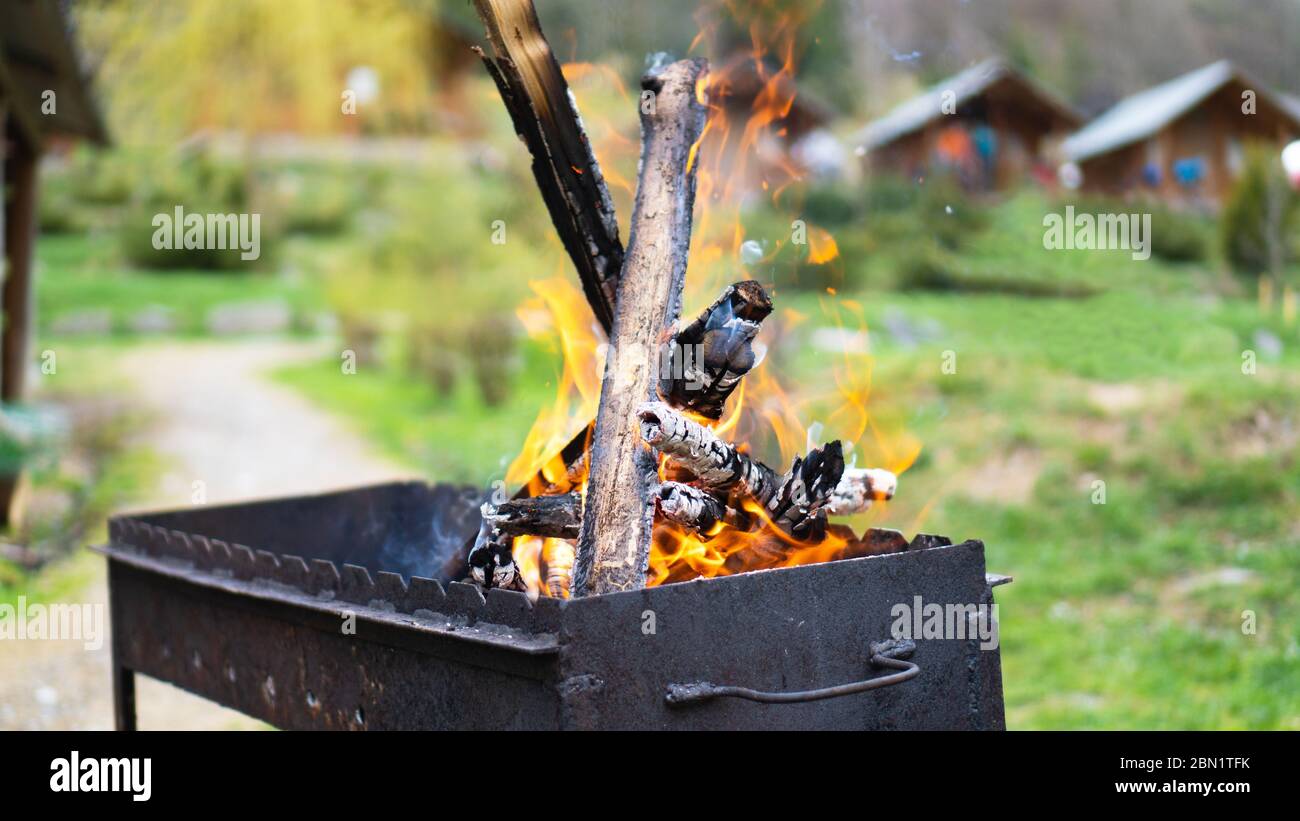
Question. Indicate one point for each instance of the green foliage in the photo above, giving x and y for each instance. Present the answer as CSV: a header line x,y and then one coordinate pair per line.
x,y
440,301
28,436
1257,228
199,184
1178,237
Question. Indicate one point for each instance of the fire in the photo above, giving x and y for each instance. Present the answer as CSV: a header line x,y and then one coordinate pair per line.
x,y
739,159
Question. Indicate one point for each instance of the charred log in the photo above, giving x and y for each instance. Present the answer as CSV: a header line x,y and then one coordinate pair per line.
x,y
491,562
614,545
546,118
557,516
707,358
858,488
698,510
794,502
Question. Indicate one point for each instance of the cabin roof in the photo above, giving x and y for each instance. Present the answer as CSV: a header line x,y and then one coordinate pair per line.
x,y
1147,112
37,53
966,85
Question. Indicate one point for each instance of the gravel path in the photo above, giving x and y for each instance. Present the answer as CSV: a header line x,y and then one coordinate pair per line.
x,y
216,420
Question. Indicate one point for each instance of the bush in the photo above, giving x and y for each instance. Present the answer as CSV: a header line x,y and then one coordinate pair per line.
x,y
319,202
200,184
1258,223
1179,237
103,177
57,210
831,205
928,267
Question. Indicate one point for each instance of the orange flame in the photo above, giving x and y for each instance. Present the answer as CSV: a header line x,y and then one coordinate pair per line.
x,y
742,155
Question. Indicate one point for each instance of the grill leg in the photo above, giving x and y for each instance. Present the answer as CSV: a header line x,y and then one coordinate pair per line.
x,y
124,698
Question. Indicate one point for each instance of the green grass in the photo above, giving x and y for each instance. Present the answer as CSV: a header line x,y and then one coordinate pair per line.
x,y
80,273
454,438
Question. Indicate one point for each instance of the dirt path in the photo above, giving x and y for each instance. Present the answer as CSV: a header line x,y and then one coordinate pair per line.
x,y
216,420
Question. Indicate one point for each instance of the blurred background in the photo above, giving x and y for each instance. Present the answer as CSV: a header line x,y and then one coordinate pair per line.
x,y
1121,433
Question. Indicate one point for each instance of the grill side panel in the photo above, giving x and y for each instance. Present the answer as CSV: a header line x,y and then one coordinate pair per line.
x,y
792,629
295,667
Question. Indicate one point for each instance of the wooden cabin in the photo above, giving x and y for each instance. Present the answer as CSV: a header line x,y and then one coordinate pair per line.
x,y
44,98
990,125
1182,141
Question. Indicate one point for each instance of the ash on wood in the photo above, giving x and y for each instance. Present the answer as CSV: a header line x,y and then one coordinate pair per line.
x,y
546,118
699,510
795,501
614,545
858,488
708,357
558,516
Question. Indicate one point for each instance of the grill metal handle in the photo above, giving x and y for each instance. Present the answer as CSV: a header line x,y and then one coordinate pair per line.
x,y
891,654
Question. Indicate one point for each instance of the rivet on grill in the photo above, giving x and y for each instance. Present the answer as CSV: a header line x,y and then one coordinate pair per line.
x,y
312,701
230,673
360,716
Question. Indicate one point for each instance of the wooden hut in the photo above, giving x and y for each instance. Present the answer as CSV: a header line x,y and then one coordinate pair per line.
x,y
990,125
44,97
1182,141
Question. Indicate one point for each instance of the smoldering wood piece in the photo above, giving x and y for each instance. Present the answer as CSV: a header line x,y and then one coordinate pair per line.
x,y
614,545
545,116
798,505
858,488
794,501
708,357
698,510
716,464
556,566
491,561
558,516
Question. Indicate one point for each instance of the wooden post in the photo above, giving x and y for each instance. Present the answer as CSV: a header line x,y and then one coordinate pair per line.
x,y
19,239
614,544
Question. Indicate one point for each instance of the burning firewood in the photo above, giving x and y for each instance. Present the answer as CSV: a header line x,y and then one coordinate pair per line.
x,y
858,488
590,531
794,502
545,116
699,510
557,516
614,545
491,562
556,566
709,356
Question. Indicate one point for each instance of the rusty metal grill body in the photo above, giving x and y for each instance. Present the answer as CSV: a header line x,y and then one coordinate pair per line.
x,y
313,612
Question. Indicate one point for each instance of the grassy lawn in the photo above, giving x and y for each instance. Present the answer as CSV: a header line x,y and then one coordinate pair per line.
x,y
80,274
1124,614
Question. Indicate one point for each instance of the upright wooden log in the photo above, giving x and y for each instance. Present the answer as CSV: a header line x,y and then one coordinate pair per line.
x,y
546,118
18,181
614,543
19,241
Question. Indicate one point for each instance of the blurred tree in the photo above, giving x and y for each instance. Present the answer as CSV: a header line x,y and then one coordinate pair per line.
x,y
169,68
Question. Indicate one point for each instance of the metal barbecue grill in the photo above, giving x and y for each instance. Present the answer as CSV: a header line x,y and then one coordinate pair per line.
x,y
337,612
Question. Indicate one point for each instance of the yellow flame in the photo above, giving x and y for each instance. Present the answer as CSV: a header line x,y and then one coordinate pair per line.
x,y
749,98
